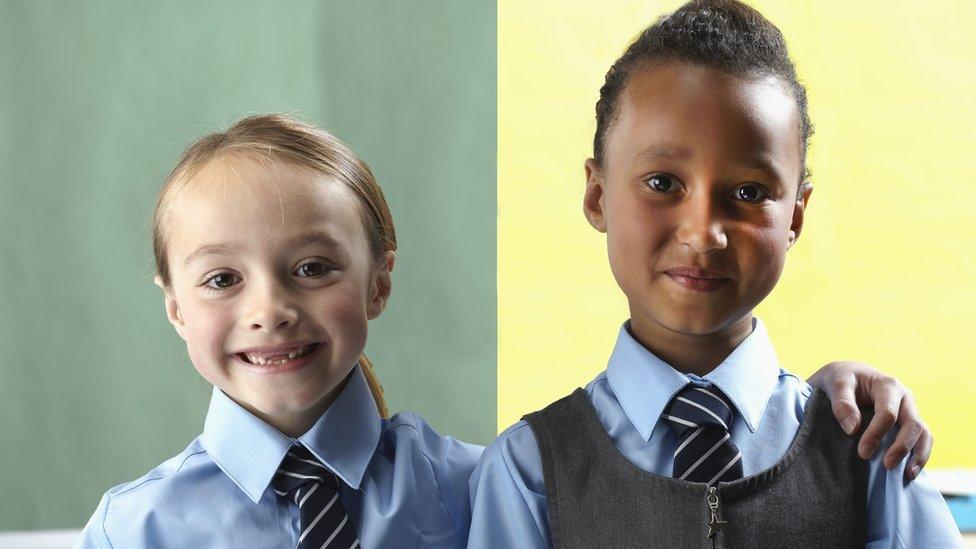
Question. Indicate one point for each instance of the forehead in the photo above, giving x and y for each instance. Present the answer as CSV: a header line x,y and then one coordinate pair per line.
x,y
259,204
705,112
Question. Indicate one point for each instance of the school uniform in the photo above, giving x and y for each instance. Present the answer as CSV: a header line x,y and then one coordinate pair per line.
x,y
399,483
627,402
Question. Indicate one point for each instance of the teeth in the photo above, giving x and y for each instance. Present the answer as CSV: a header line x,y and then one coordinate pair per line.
x,y
260,360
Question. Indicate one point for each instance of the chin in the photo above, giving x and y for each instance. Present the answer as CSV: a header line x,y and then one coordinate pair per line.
x,y
288,409
685,320
283,401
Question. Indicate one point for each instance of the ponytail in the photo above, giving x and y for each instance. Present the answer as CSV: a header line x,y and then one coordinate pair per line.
x,y
374,386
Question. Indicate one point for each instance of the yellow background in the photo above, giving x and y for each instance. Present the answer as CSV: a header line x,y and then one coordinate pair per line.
x,y
884,271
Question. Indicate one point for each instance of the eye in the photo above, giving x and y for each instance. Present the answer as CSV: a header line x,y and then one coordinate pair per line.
x,y
312,269
750,193
220,281
662,182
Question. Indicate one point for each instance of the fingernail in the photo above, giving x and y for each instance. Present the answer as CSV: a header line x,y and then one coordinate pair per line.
x,y
849,424
865,449
913,471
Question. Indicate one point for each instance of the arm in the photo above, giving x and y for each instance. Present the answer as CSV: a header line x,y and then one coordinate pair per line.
x,y
508,502
848,384
903,515
94,536
452,462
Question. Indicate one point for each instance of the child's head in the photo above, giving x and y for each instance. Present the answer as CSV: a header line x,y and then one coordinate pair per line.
x,y
698,172
274,246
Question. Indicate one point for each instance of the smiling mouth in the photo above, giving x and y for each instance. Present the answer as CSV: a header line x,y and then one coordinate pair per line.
x,y
279,358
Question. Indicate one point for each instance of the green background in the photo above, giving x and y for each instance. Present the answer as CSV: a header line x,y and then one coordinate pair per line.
x,y
98,100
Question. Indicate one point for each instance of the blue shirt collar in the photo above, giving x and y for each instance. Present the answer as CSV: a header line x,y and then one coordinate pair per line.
x,y
644,384
249,451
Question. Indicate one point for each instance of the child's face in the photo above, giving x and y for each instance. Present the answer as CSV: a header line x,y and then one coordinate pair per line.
x,y
697,195
291,251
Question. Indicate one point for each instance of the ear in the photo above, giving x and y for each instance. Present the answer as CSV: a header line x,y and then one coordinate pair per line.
x,y
796,225
593,197
382,286
172,308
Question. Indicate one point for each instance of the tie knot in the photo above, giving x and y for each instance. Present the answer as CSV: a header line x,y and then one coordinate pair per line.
x,y
299,468
698,406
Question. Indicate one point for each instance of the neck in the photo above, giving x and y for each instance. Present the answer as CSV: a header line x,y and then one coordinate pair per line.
x,y
696,354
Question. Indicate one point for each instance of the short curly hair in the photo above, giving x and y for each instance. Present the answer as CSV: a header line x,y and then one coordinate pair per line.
x,y
725,35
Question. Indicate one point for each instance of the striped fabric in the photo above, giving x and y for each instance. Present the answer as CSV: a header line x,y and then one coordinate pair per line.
x,y
306,482
700,416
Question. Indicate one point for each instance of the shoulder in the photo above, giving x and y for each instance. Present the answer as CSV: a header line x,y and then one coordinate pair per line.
x,y
790,394
408,438
438,467
409,432
126,505
790,382
515,453
599,381
513,457
513,441
167,472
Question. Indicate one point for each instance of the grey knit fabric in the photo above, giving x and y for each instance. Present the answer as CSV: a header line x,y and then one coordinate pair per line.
x,y
815,496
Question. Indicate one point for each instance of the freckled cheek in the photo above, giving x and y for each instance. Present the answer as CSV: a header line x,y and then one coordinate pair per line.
x,y
207,329
343,315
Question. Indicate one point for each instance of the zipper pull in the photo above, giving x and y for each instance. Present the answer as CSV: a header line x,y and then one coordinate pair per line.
x,y
715,526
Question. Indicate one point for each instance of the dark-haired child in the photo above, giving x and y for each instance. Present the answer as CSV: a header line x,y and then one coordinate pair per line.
x,y
694,436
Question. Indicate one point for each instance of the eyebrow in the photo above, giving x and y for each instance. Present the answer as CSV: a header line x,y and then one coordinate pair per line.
x,y
306,239
762,163
313,237
208,250
664,152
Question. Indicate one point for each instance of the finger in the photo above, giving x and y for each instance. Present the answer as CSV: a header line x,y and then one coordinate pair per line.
x,y
887,396
908,434
841,392
909,429
920,455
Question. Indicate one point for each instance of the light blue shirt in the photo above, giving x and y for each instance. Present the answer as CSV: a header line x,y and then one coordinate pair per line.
x,y
406,484
509,506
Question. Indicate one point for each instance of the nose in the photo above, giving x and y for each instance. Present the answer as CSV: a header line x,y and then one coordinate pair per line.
x,y
702,227
270,308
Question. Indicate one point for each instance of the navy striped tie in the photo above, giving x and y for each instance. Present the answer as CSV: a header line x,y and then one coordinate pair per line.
x,y
315,489
700,417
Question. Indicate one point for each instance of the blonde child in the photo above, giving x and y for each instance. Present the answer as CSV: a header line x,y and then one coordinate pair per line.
x,y
274,248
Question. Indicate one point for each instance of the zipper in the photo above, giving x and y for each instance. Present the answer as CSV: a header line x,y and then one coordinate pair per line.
x,y
715,525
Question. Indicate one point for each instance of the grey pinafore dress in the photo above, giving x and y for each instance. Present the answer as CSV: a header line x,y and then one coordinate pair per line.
x,y
815,496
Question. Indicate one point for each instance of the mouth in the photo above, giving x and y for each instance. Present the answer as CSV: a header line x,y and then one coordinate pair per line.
x,y
277,356
697,279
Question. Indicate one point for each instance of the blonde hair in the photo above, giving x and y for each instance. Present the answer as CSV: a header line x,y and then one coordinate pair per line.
x,y
286,139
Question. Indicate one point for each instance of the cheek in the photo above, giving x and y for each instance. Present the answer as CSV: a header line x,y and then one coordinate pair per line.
x,y
342,312
765,255
635,236
207,327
